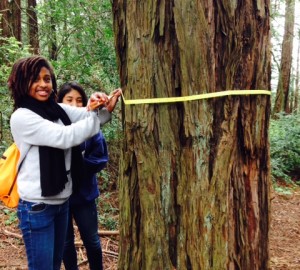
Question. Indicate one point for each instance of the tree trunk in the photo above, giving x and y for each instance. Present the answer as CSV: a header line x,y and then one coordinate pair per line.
x,y
4,25
282,94
194,179
16,19
11,18
33,27
52,41
297,84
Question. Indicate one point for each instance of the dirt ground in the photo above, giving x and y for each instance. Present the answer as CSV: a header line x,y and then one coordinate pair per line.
x,y
285,231
284,238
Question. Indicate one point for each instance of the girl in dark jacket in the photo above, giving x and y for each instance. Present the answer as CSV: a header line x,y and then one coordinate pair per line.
x,y
83,207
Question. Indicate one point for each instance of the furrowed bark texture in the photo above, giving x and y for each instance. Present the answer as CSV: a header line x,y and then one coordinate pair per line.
x,y
194,186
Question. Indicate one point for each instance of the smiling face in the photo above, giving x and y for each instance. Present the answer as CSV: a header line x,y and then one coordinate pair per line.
x,y
41,88
73,98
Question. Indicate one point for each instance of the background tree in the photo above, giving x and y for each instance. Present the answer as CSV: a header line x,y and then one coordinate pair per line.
x,y
194,181
11,18
297,84
33,32
282,94
52,38
4,25
15,18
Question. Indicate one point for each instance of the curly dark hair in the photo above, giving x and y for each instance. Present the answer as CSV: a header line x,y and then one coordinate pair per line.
x,y
24,73
67,87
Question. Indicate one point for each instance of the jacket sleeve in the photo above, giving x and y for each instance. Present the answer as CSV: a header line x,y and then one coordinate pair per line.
x,y
75,114
95,154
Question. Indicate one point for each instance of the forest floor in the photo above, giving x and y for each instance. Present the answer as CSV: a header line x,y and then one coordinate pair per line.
x,y
284,237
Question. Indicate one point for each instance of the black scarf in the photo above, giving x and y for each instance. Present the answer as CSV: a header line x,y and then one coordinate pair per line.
x,y
52,160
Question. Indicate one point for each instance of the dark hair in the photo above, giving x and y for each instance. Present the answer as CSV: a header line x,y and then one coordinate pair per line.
x,y
67,87
23,74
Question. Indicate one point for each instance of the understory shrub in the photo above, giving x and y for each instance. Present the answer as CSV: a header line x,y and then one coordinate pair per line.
x,y
285,148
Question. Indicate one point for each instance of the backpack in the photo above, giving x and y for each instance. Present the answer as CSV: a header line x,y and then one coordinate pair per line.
x,y
8,176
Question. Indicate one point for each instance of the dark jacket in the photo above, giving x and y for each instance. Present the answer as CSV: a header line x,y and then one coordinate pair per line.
x,y
95,158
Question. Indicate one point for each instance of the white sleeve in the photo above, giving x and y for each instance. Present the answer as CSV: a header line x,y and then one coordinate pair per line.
x,y
31,128
76,113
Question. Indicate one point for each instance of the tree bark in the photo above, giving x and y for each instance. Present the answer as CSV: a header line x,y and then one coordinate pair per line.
x,y
33,27
297,84
16,19
194,177
52,42
11,18
4,25
282,94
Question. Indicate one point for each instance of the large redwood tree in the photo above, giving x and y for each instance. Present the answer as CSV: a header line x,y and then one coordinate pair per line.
x,y
194,186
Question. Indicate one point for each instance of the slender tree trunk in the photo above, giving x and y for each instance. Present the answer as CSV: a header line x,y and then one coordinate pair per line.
x,y
282,94
297,84
194,187
33,27
53,41
291,96
52,33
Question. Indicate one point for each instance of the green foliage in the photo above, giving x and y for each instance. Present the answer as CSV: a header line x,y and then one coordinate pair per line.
x,y
108,214
12,216
10,51
108,221
105,177
283,190
112,131
83,35
285,147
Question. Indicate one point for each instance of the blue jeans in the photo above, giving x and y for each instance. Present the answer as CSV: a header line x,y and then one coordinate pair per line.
x,y
44,230
86,218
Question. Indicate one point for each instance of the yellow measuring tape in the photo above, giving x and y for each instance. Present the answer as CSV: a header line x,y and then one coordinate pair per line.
x,y
195,97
